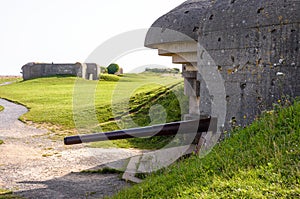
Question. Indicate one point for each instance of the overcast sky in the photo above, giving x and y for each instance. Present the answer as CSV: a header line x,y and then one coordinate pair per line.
x,y
63,31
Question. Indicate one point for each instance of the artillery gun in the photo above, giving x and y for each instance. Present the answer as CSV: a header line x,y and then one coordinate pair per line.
x,y
170,129
192,132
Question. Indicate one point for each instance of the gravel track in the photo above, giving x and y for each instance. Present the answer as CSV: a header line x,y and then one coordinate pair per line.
x,y
34,166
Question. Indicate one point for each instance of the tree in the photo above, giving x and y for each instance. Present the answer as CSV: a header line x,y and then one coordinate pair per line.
x,y
176,70
113,68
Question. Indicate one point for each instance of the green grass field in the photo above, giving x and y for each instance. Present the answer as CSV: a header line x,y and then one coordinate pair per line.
x,y
48,99
56,102
259,161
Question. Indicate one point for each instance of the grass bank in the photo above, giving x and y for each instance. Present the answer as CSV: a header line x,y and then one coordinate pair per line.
x,y
161,105
259,161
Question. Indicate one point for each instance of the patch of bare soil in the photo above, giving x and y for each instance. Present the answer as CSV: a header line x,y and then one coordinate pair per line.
x,y
34,166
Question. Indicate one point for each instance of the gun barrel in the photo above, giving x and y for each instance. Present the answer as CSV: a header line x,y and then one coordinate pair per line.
x,y
168,129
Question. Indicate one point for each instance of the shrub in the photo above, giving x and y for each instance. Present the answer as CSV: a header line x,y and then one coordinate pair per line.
x,y
110,78
103,69
113,68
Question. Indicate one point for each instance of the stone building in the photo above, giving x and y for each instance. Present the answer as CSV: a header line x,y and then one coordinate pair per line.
x,y
238,56
88,71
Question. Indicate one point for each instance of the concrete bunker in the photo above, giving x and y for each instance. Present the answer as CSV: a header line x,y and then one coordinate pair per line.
x,y
253,45
88,71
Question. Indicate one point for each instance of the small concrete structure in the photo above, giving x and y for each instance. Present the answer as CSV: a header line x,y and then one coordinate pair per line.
x,y
252,45
88,71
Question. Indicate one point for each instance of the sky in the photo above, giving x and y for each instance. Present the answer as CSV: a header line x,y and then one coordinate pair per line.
x,y
68,31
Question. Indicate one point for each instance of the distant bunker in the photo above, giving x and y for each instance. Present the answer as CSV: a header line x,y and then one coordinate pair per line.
x,y
252,44
88,71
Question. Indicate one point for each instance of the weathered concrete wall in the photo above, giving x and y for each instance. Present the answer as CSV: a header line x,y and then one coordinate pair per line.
x,y
253,44
36,70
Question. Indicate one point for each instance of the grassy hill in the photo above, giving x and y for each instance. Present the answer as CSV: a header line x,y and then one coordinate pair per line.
x,y
259,161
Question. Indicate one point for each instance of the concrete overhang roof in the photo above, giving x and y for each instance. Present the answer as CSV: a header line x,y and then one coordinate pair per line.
x,y
194,17
178,25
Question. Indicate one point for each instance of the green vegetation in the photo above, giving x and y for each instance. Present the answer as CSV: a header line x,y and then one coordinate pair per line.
x,y
5,194
164,104
259,161
109,77
103,69
1,108
50,101
113,68
1,142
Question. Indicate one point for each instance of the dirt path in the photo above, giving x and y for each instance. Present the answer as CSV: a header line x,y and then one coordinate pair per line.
x,y
33,166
